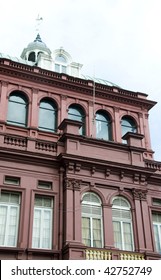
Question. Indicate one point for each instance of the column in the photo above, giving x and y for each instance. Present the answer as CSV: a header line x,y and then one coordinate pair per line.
x,y
117,126
108,227
3,103
139,222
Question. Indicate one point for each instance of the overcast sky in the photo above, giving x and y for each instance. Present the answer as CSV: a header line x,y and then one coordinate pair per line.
x,y
117,40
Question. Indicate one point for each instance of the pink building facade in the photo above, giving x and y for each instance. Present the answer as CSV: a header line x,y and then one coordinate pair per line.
x,y
77,174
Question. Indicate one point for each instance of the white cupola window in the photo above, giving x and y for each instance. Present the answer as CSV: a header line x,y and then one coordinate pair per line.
x,y
61,64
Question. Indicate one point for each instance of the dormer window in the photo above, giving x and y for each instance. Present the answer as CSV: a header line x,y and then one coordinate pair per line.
x,y
61,64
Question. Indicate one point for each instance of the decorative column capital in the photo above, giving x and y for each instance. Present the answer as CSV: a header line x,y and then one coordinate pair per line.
x,y
72,184
139,194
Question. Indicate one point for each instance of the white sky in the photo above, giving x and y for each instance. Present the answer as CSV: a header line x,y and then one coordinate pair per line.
x,y
117,40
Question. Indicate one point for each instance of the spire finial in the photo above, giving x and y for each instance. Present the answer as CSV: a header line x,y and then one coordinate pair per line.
x,y
38,22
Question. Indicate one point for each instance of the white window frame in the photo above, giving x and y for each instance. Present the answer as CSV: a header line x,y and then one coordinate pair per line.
x,y
122,221
94,216
42,210
9,205
158,225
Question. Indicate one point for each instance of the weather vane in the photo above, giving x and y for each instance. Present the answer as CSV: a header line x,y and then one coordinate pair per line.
x,y
38,22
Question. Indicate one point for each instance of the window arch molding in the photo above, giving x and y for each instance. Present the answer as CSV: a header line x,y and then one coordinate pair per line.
x,y
23,92
110,197
128,124
18,108
104,129
96,192
50,99
92,220
80,105
48,115
131,118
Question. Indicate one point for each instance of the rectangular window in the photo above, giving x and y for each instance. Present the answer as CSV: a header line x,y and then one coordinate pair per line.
x,y
42,223
157,202
157,230
45,185
9,219
11,180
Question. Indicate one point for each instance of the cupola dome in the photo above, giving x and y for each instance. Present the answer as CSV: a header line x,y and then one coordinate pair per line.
x,y
34,49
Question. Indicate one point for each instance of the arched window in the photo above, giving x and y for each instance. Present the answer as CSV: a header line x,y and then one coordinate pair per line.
x,y
103,126
32,57
92,232
48,115
128,125
17,109
122,224
77,113
61,64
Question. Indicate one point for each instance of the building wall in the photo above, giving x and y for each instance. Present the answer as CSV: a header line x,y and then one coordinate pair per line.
x,y
76,164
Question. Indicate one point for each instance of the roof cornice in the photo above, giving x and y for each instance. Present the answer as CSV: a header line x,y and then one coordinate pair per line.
x,y
50,78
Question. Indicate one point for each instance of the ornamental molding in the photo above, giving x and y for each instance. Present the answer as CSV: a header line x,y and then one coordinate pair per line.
x,y
4,83
139,194
41,76
72,184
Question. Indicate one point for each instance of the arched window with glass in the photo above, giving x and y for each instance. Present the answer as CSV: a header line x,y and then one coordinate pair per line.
x,y
128,125
122,224
48,115
17,109
61,64
75,112
92,227
103,126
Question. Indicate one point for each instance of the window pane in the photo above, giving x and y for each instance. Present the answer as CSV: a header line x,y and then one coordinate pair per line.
x,y
156,236
12,226
92,220
47,116
86,233
117,234
36,229
128,244
103,127
122,224
9,218
57,68
64,69
17,110
97,238
128,125
42,224
3,219
77,114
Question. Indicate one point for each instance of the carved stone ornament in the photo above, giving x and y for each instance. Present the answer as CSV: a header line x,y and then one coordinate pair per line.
x,y
72,184
139,194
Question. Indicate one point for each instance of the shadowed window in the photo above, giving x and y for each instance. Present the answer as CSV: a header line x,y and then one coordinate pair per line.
x,y
17,109
77,113
128,125
103,126
48,115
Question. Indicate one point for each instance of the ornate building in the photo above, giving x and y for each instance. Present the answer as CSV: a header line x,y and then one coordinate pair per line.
x,y
77,174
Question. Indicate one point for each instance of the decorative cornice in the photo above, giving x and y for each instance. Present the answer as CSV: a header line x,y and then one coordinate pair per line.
x,y
50,78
